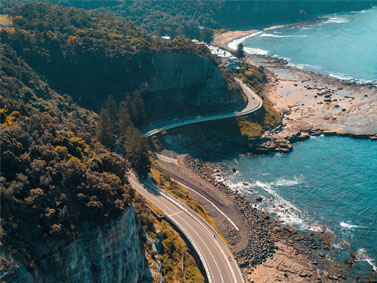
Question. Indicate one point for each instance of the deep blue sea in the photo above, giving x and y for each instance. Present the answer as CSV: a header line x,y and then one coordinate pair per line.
x,y
326,183
343,45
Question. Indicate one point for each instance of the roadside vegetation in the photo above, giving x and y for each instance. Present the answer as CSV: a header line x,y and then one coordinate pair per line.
x,y
218,138
164,182
249,125
177,263
62,166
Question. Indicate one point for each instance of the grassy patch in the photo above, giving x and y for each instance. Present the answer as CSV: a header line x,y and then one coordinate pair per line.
x,y
249,128
272,118
177,263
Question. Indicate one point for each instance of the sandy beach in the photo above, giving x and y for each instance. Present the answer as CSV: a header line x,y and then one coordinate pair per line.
x,y
222,39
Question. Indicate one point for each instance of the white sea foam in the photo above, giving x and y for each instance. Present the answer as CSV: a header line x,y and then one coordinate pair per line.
x,y
351,79
268,188
233,45
287,212
336,20
349,226
286,183
257,51
362,255
284,210
341,77
280,36
305,66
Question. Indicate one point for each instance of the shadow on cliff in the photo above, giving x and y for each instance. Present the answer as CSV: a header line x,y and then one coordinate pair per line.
x,y
211,141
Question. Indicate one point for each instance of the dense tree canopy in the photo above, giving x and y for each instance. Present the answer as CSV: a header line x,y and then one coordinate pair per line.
x,y
56,177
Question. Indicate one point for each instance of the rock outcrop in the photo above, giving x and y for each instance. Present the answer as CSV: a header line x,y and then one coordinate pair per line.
x,y
112,253
192,84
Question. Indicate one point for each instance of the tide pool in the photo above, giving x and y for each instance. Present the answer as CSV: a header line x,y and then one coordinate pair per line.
x,y
342,45
326,183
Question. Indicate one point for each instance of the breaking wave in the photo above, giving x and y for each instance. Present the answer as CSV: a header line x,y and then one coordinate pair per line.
x,y
280,36
336,20
257,51
233,45
349,226
286,211
362,255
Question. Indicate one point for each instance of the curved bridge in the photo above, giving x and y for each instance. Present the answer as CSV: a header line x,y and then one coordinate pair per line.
x,y
253,104
217,259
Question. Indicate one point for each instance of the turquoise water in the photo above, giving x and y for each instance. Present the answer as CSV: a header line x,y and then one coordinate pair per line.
x,y
326,183
343,45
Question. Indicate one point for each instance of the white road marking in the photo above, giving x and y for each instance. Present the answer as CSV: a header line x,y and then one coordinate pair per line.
x,y
175,213
250,107
209,251
171,210
226,216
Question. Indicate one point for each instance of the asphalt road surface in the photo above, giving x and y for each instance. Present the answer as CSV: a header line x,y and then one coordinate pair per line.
x,y
217,259
254,103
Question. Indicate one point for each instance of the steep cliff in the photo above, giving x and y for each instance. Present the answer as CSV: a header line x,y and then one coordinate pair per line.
x,y
192,84
111,253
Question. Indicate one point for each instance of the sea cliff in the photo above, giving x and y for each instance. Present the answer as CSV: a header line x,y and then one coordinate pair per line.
x,y
111,253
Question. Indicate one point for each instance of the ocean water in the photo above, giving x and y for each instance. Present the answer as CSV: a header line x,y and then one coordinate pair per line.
x,y
326,183
343,45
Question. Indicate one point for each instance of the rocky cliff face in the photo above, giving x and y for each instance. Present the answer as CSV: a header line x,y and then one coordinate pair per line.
x,y
111,253
193,85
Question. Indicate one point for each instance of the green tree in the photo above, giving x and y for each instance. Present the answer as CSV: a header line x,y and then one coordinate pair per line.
x,y
131,108
111,108
135,147
240,53
124,117
104,132
139,108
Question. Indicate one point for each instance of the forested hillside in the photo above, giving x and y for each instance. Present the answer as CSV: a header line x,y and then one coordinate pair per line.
x,y
63,167
90,55
198,18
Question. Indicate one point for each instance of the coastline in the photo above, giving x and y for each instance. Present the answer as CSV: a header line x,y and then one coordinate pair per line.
x,y
263,246
297,256
223,39
310,103
328,106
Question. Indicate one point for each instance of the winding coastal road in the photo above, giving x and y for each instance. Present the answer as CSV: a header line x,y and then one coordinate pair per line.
x,y
217,259
253,104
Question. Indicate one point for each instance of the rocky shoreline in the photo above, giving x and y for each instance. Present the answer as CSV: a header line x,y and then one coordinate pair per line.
x,y
269,237
310,103
330,106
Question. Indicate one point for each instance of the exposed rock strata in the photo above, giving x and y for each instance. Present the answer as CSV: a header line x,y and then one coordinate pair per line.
x,y
193,85
112,253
